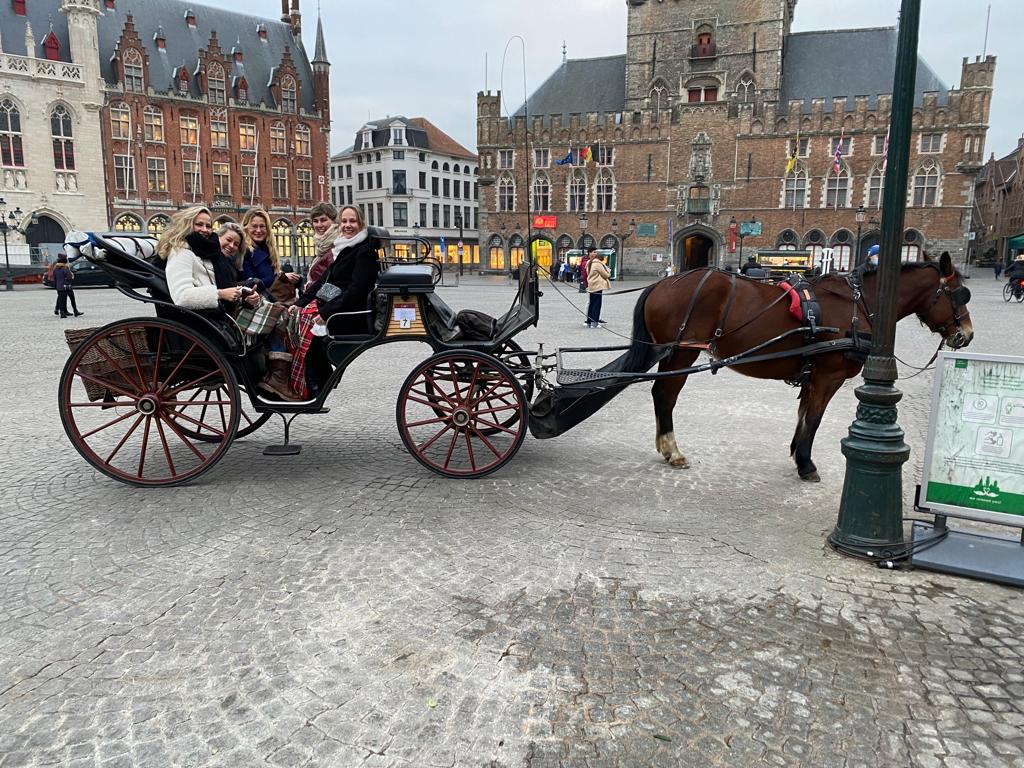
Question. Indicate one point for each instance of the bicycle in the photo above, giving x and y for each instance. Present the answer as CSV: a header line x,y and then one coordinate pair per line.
x,y
1014,289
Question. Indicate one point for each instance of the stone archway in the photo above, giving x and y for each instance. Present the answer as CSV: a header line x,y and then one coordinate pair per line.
x,y
45,229
542,250
696,247
867,239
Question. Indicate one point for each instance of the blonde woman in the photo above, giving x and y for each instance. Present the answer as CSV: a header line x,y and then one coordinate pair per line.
x,y
260,258
198,275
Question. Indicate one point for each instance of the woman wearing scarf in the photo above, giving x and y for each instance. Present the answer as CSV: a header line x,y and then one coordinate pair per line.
x,y
343,287
198,275
325,232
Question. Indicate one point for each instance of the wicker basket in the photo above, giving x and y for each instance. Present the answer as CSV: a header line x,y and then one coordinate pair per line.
x,y
115,345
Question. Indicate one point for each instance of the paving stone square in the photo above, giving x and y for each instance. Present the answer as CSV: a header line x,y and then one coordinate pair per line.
x,y
587,605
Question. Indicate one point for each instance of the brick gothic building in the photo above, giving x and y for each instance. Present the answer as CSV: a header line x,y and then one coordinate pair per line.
x,y
691,131
211,106
999,209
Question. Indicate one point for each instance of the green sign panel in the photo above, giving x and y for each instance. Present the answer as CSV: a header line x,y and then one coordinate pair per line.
x,y
750,229
646,230
974,464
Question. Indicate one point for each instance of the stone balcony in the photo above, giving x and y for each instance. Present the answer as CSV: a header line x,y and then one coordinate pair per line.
x,y
42,69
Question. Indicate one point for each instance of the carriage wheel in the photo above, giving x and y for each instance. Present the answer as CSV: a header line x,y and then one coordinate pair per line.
x,y
1007,291
462,414
207,399
133,400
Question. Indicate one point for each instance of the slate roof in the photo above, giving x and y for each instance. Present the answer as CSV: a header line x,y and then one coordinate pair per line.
x,y
848,62
182,43
582,85
420,133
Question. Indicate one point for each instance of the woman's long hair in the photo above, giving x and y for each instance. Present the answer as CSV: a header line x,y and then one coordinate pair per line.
x,y
180,227
251,214
359,216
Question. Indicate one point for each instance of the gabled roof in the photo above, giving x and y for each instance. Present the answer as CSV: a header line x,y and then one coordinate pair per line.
x,y
847,63
581,85
183,43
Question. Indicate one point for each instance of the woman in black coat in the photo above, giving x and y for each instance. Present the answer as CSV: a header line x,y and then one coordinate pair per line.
x,y
353,275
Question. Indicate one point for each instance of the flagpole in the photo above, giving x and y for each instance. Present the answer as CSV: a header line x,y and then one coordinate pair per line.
x,y
195,173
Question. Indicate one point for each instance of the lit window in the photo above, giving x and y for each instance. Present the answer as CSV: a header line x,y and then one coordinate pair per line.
x,y
278,139
247,136
221,180
153,119
302,141
219,129
156,174
189,127
133,79
120,121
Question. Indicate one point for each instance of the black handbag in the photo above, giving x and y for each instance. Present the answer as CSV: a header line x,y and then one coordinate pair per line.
x,y
328,292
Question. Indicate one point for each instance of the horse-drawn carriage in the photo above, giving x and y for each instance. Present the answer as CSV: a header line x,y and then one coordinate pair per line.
x,y
157,400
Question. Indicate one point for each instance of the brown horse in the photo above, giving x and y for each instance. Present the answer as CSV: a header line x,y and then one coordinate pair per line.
x,y
755,315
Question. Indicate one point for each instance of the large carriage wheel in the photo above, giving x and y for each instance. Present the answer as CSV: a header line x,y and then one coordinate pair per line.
x,y
133,400
462,414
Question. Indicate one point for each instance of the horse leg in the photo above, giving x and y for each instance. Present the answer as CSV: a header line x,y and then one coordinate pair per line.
x,y
665,392
814,398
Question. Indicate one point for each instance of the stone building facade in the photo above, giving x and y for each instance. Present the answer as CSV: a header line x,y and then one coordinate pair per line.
x,y
51,93
408,175
691,133
216,107
999,209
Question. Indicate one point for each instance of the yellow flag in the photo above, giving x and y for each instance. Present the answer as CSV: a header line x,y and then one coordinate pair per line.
x,y
791,163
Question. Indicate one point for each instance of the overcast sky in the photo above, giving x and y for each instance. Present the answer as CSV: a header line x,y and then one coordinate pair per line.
x,y
404,57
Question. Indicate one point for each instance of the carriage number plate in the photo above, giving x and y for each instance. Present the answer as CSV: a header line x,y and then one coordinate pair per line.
x,y
405,315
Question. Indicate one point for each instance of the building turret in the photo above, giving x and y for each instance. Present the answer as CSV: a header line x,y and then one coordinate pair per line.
x,y
321,77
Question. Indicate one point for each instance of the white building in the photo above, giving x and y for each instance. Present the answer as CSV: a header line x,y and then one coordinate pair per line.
x,y
407,175
51,92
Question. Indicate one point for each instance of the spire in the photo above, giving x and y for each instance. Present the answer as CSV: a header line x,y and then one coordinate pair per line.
x,y
320,55
563,52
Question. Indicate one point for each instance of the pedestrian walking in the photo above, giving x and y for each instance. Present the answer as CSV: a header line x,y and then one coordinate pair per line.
x,y
584,264
62,281
597,283
998,268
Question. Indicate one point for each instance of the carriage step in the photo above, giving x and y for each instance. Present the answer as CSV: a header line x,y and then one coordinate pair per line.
x,y
568,376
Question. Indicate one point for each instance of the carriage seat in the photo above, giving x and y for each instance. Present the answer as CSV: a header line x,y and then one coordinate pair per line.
x,y
406,280
130,259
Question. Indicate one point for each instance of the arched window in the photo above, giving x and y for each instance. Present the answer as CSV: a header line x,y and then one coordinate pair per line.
x,y
926,185
795,188
278,139
63,143
11,154
516,251
837,189
242,87
658,97
433,166
814,244
786,241
128,222
157,225
541,192
506,193
302,141
911,250
876,186
577,191
153,117
216,91
496,253
183,82
705,43
586,242
745,89
609,242
563,244
304,242
455,168
444,167
289,95
282,232
133,76
120,121
604,187
842,250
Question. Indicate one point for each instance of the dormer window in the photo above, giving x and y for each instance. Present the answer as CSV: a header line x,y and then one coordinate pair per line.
x,y
398,136
19,7
243,90
261,30
51,47
289,96
183,82
367,139
110,5
132,63
190,19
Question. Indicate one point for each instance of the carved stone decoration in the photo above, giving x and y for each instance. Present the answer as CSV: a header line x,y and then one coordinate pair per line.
x,y
700,157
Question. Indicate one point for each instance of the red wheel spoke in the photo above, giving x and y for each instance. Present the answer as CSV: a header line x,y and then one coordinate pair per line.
x,y
431,441
156,358
177,368
438,420
135,359
118,420
432,382
498,427
489,392
102,404
451,448
190,384
509,407
178,407
428,403
145,443
485,441
184,439
201,424
124,439
167,449
107,385
127,380
469,448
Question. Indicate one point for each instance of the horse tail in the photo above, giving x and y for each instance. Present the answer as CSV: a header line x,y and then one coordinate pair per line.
x,y
643,353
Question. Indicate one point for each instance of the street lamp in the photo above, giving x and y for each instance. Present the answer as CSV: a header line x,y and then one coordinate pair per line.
x,y
861,213
13,216
622,243
458,250
743,233
415,236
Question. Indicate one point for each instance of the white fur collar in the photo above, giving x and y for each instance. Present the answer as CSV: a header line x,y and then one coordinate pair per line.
x,y
342,242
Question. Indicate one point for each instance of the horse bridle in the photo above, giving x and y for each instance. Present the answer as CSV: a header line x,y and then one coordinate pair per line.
x,y
958,298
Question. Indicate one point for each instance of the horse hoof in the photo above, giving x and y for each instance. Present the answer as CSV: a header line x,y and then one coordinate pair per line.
x,y
811,477
680,463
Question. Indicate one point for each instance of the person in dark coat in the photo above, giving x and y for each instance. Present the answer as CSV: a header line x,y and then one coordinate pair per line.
x,y
62,281
1016,269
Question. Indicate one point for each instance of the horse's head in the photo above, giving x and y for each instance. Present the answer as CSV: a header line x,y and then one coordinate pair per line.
x,y
945,311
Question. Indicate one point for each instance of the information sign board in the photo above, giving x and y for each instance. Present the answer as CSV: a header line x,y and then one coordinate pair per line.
x,y
646,230
974,461
750,229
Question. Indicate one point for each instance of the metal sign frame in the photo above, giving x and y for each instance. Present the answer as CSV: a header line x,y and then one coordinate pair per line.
x,y
949,402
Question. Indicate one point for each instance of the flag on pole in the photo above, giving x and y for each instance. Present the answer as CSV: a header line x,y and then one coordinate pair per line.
x,y
585,154
565,160
885,150
791,163
837,157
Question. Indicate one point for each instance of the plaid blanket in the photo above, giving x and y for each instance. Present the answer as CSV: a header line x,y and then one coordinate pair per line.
x,y
266,318
305,338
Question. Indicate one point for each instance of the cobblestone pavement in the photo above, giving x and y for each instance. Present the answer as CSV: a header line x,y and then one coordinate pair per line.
x,y
585,606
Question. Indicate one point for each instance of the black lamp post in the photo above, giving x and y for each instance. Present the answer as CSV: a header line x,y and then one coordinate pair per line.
x,y
415,235
622,243
6,227
870,521
458,249
743,233
861,212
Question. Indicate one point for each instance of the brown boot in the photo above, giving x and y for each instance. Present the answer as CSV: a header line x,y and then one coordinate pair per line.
x,y
276,380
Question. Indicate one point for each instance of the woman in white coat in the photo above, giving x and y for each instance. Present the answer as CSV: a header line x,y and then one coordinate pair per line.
x,y
198,275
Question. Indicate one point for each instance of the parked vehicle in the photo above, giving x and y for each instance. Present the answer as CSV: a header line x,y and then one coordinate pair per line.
x,y
87,275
